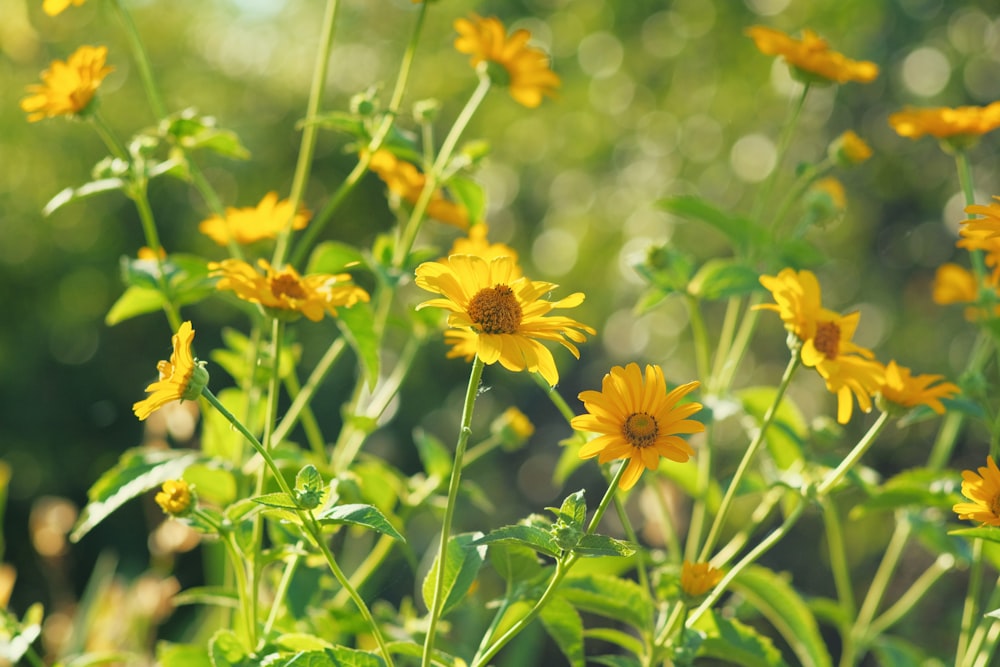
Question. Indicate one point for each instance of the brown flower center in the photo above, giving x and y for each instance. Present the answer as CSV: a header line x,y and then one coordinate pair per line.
x,y
287,285
496,310
995,505
827,339
640,429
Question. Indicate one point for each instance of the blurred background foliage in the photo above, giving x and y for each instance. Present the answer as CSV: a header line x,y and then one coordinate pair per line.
x,y
658,97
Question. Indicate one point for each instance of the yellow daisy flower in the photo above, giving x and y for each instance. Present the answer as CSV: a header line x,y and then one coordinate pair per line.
x,y
503,310
253,223
67,88
405,181
477,243
56,7
946,122
984,492
181,379
529,77
698,578
637,419
174,497
903,388
798,301
286,292
811,56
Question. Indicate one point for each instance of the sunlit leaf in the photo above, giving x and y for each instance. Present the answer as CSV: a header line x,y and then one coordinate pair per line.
x,y
565,626
357,324
534,537
464,557
471,195
133,302
723,278
87,190
334,257
788,430
611,597
741,231
218,596
358,514
602,545
734,642
182,655
917,487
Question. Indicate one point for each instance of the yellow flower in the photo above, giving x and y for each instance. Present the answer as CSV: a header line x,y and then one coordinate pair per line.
x,y
965,123
174,497
849,149
477,244
956,284
798,298
56,7
529,77
253,223
637,419
984,492
811,56
513,428
503,310
990,222
982,238
908,391
405,180
833,190
698,578
181,379
285,291
67,87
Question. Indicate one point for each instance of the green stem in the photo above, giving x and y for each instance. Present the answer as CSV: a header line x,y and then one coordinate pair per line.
x,y
970,606
699,512
282,590
557,400
107,135
141,60
984,639
700,336
248,607
437,600
724,345
740,344
34,658
302,399
951,425
854,456
784,141
838,562
314,435
758,440
139,196
740,539
669,531
913,594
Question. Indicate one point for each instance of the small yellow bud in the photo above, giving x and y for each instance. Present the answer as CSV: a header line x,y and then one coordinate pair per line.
x,y
175,497
698,578
849,149
513,427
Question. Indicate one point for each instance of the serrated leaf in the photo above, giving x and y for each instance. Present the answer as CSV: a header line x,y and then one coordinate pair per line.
x,y
279,499
133,302
86,190
788,430
218,596
917,487
359,514
741,231
471,195
611,597
534,537
573,510
333,257
734,642
565,626
435,457
774,597
138,470
723,278
463,558
602,545
357,324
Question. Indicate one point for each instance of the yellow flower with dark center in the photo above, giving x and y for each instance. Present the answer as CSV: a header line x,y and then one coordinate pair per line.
x,y
284,291
698,578
984,492
56,7
946,122
405,181
811,57
907,390
502,313
529,77
67,88
477,243
253,223
638,420
182,378
174,497
849,149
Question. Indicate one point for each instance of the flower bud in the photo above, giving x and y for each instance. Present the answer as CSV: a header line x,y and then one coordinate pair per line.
x,y
513,428
175,497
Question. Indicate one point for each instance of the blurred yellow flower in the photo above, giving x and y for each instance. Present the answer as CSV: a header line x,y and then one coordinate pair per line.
x,y
984,239
174,497
984,492
698,578
849,149
405,180
253,223
798,301
477,243
181,379
285,291
812,56
903,388
503,310
56,7
67,88
638,420
529,77
956,284
945,122
990,222
833,189
513,428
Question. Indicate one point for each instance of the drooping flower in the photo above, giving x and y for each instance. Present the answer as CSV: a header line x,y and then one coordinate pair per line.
x,y
174,497
502,312
811,56
181,379
56,7
638,420
405,181
253,223
849,149
529,77
962,126
907,390
983,490
698,578
285,292
67,88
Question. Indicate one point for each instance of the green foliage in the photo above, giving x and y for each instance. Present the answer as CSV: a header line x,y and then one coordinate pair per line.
x,y
463,558
737,643
357,514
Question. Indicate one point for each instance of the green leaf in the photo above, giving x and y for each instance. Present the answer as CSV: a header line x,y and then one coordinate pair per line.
x,y
917,487
358,514
614,636
24,634
190,131
988,533
788,430
741,231
602,545
133,302
774,597
798,254
896,652
573,510
616,660
279,499
342,121
357,324
471,195
565,626
337,656
667,269
137,471
334,257
534,537
723,278
86,190
213,484
182,655
611,597
218,596
435,457
463,558
736,643
515,562
226,650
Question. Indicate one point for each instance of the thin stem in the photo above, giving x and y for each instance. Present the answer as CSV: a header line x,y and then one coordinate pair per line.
x,y
838,560
700,336
141,60
738,541
854,456
984,639
139,196
909,599
970,606
437,600
669,531
699,512
725,343
282,590
557,400
951,425
248,607
314,435
110,139
740,344
784,141
301,400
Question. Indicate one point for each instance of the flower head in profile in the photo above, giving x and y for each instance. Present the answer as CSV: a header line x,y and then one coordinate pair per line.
x,y
529,78
501,313
849,149
56,7
956,284
961,127
67,88
181,379
285,292
407,182
253,223
698,578
175,497
988,222
811,58
904,389
637,419
983,490
513,428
